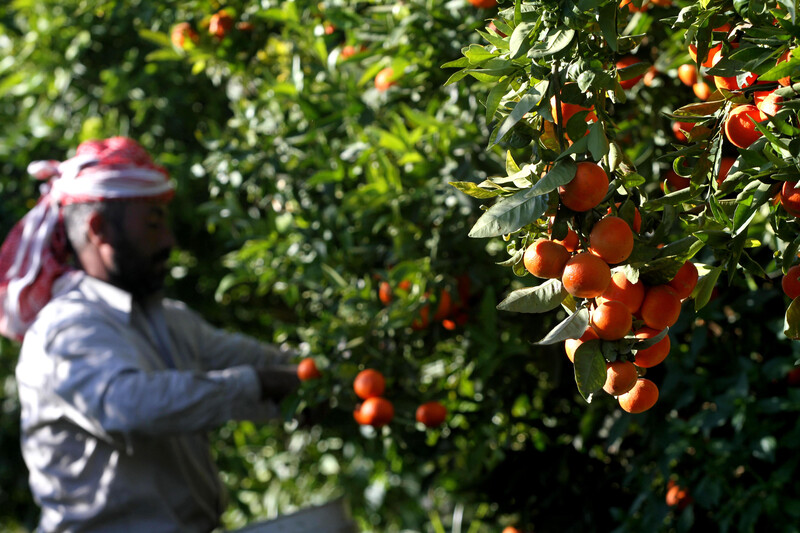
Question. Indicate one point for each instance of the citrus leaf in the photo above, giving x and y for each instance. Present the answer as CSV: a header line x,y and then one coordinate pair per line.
x,y
571,327
539,299
650,341
553,44
607,19
791,325
528,101
495,96
590,369
520,42
472,189
705,286
510,214
598,142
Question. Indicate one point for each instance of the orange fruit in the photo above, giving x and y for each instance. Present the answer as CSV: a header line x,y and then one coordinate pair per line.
x,y
675,181
220,24
625,62
348,51
640,398
511,529
790,283
586,275
739,129
680,129
702,90
621,376
611,320
568,110
632,8
570,242
432,414
484,4
637,217
708,61
685,280
650,76
768,102
385,292
687,73
445,306
677,496
369,383
570,345
622,290
789,198
787,80
423,320
545,259
587,189
660,307
384,79
724,168
180,32
375,411
307,369
655,354
611,239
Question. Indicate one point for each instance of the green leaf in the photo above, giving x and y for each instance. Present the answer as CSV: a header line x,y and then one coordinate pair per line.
x,y
159,38
571,327
553,44
539,299
528,101
509,214
705,285
590,369
477,54
563,172
783,69
791,325
607,19
598,142
495,96
461,62
511,166
472,189
790,253
520,40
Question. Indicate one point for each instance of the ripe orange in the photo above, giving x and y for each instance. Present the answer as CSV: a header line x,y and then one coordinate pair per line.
x,y
675,181
660,307
432,414
424,318
677,496
445,306
655,354
632,7
622,290
611,320
385,292
180,32
724,168
587,189
570,242
484,4
685,280
702,90
678,129
790,198
707,61
650,76
621,376
790,283
347,51
307,369
787,80
545,259
640,398
739,129
384,79
570,345
637,217
732,83
687,73
768,102
220,24
369,383
586,275
568,110
628,61
375,411
511,529
611,239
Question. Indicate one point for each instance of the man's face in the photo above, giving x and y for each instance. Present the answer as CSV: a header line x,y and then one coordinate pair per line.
x,y
141,249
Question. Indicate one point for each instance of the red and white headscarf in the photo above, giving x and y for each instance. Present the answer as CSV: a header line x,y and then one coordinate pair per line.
x,y
34,254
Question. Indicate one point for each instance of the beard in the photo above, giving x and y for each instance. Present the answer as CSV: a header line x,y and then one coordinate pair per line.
x,y
137,273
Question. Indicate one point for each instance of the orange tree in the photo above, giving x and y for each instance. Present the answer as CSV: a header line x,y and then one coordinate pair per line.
x,y
314,209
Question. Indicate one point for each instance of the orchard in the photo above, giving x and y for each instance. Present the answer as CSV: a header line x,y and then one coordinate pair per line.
x,y
538,259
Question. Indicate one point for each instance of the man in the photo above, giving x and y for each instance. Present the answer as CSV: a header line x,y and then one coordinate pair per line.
x,y
119,386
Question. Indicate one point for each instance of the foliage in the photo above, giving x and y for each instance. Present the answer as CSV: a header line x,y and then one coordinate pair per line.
x,y
302,187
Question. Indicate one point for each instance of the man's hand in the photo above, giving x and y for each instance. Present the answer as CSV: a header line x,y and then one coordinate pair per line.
x,y
277,381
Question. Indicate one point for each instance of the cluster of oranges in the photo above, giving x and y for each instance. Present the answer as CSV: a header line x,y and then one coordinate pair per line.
x,y
376,410
617,307
449,312
218,25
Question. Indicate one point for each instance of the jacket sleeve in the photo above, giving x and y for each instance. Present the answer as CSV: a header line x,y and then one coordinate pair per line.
x,y
110,391
220,349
